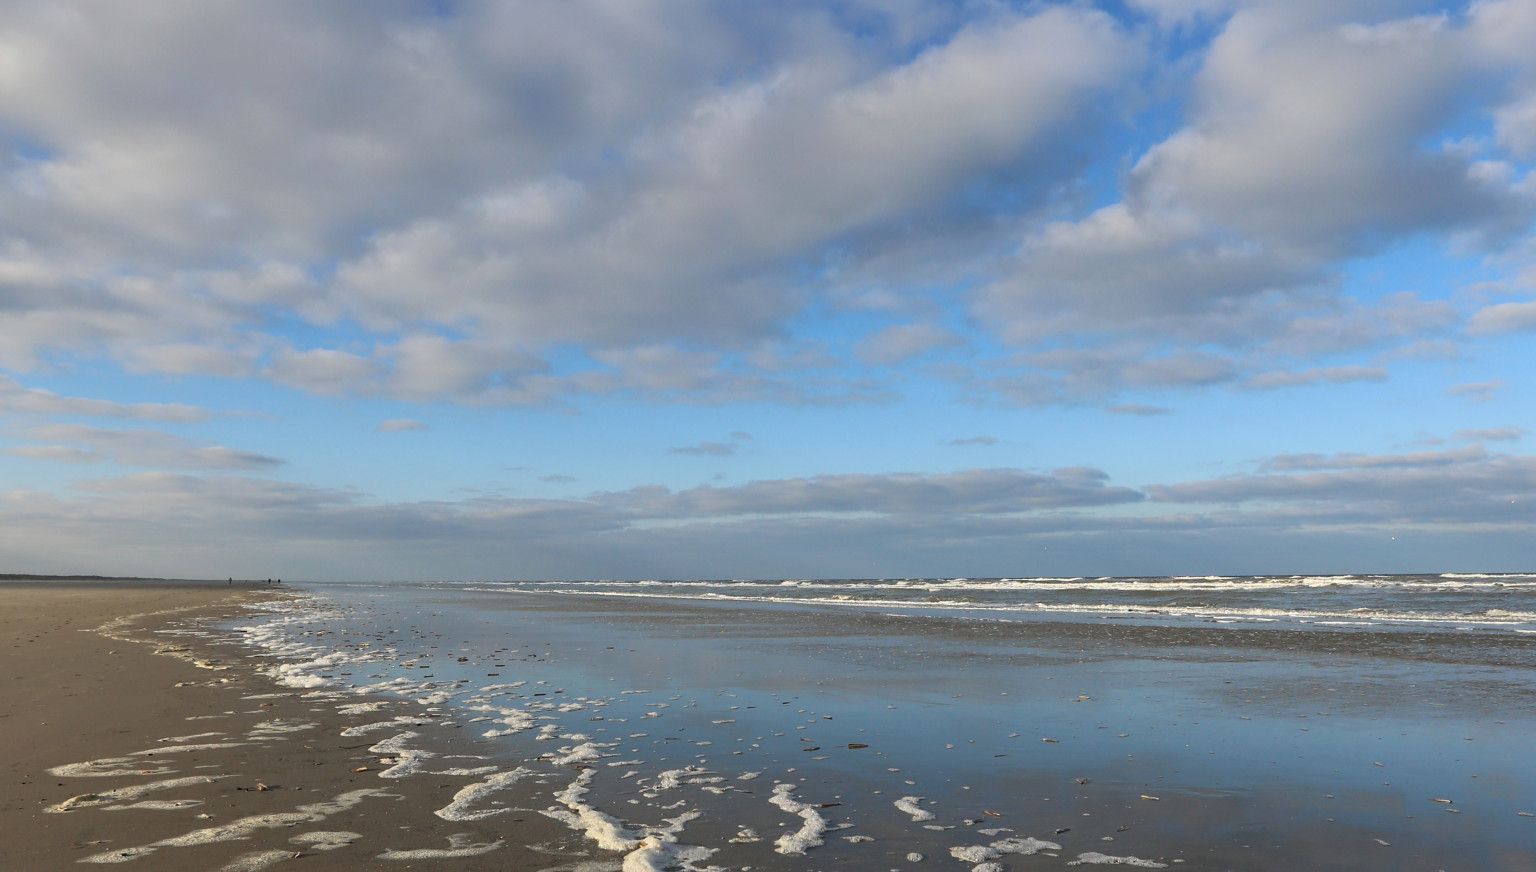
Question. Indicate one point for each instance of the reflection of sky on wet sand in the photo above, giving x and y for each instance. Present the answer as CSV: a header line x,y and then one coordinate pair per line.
x,y
1263,747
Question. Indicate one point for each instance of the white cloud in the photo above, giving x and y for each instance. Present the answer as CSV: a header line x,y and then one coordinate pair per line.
x,y
323,370
618,184
1303,121
623,178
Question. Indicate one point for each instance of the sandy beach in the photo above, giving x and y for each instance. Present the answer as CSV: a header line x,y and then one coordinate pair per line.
x,y
122,740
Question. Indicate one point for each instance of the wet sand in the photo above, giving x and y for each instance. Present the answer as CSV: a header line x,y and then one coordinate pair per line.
x,y
135,702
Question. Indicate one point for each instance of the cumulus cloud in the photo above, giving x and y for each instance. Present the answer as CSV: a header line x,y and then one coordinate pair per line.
x,y
616,178
585,188
1303,122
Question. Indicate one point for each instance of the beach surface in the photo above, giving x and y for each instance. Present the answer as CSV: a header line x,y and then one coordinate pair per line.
x,y
578,728
128,742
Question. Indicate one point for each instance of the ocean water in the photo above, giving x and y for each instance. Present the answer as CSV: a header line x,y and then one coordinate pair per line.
x,y
1223,723
1464,601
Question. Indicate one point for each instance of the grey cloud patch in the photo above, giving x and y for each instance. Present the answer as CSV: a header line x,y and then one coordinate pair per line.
x,y
903,342
1493,490
148,448
1519,317
187,358
1321,375
1293,462
1492,434
1077,376
1138,409
976,491
401,425
714,449
18,399
1480,391
58,453
706,449
970,441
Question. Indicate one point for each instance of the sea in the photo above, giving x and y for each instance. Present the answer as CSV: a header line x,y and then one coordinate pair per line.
x,y
1213,722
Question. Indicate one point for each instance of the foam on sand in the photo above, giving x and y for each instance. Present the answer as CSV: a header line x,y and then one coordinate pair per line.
x,y
359,708
512,721
179,749
326,840
268,729
127,794
909,805
810,832
177,739
458,809
242,828
674,777
607,831
155,805
459,845
994,851
108,767
256,861
299,674
394,723
660,852
585,752
1095,858
405,761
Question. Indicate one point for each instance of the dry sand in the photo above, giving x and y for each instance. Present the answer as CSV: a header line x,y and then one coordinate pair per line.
x,y
75,693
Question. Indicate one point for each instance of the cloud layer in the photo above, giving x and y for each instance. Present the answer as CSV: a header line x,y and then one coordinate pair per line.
x,y
663,185
1329,513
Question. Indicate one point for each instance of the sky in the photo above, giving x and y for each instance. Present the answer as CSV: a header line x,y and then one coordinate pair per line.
x,y
667,289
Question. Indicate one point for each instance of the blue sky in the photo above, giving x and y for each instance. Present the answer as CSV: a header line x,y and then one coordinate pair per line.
x,y
660,289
